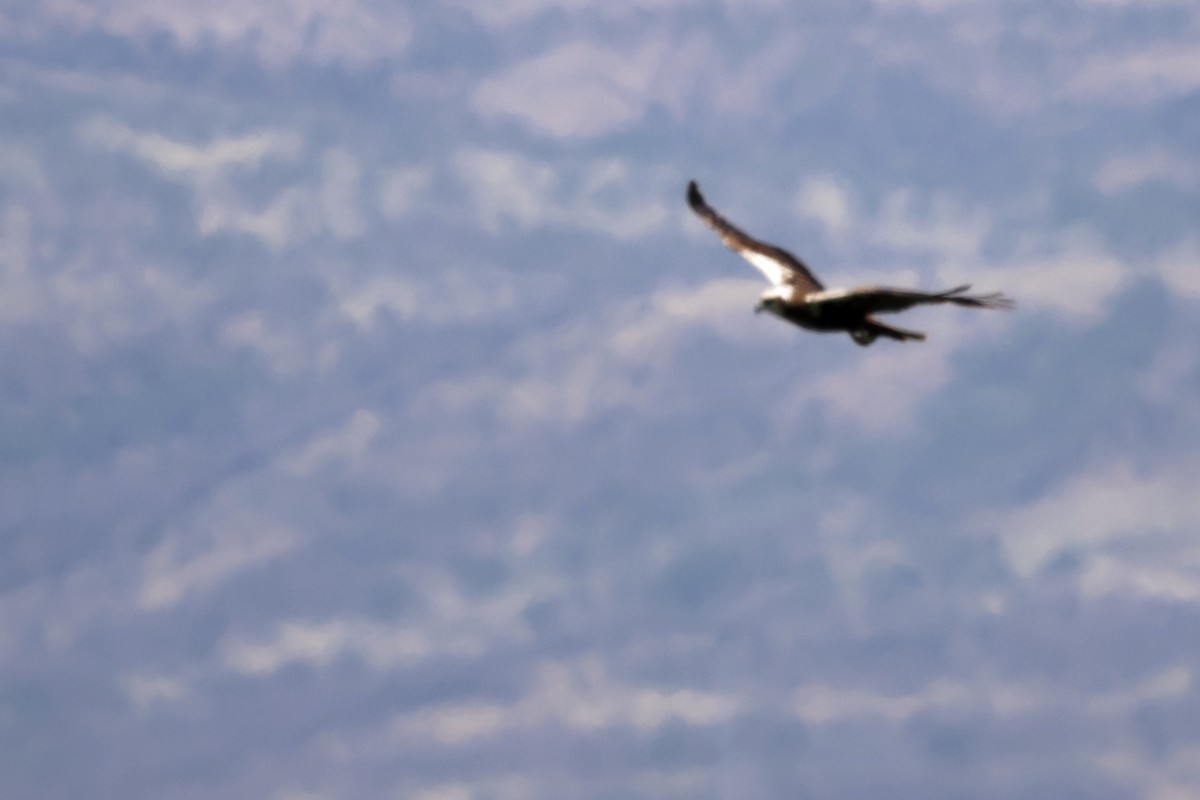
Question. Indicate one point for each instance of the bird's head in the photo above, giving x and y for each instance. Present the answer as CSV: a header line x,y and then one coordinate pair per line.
x,y
769,302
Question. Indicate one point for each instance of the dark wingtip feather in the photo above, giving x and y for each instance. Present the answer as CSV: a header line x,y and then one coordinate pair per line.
x,y
997,300
694,198
990,300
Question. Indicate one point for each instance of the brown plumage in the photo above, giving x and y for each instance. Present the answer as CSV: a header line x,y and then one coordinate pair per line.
x,y
797,296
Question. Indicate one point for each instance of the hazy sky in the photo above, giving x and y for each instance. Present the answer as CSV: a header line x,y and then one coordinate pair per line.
x,y
377,421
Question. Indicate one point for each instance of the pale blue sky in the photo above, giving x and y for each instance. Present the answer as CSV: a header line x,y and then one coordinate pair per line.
x,y
378,421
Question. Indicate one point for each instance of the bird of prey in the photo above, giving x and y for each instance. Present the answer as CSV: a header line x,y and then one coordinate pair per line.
x,y
798,297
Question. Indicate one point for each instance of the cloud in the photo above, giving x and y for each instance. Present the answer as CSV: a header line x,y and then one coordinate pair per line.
x,y
606,196
173,156
1171,778
445,791
960,48
247,521
511,12
1124,172
95,306
172,572
1100,507
926,6
25,295
1106,575
340,193
579,695
331,203
594,364
285,352
1072,274
318,644
52,614
345,445
1138,77
577,89
453,295
280,32
216,171
1179,267
565,395
1166,377
668,317
879,390
582,89
452,622
823,704
828,200
402,188
943,225
148,691
507,186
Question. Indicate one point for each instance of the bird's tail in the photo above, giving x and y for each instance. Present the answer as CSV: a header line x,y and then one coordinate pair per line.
x,y
990,300
875,329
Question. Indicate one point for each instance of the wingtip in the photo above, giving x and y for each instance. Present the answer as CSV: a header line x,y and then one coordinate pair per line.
x,y
990,300
1001,301
694,198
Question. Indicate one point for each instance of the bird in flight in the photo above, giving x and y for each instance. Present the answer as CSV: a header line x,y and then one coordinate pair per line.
x,y
798,297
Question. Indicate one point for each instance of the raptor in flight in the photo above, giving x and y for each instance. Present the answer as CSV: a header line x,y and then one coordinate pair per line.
x,y
797,296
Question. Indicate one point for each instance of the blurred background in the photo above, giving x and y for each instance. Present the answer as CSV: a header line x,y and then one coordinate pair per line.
x,y
377,421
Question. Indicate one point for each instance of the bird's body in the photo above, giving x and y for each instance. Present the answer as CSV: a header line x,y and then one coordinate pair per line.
x,y
798,297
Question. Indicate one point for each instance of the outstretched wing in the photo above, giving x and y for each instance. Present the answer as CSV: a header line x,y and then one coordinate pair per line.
x,y
780,266
881,299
